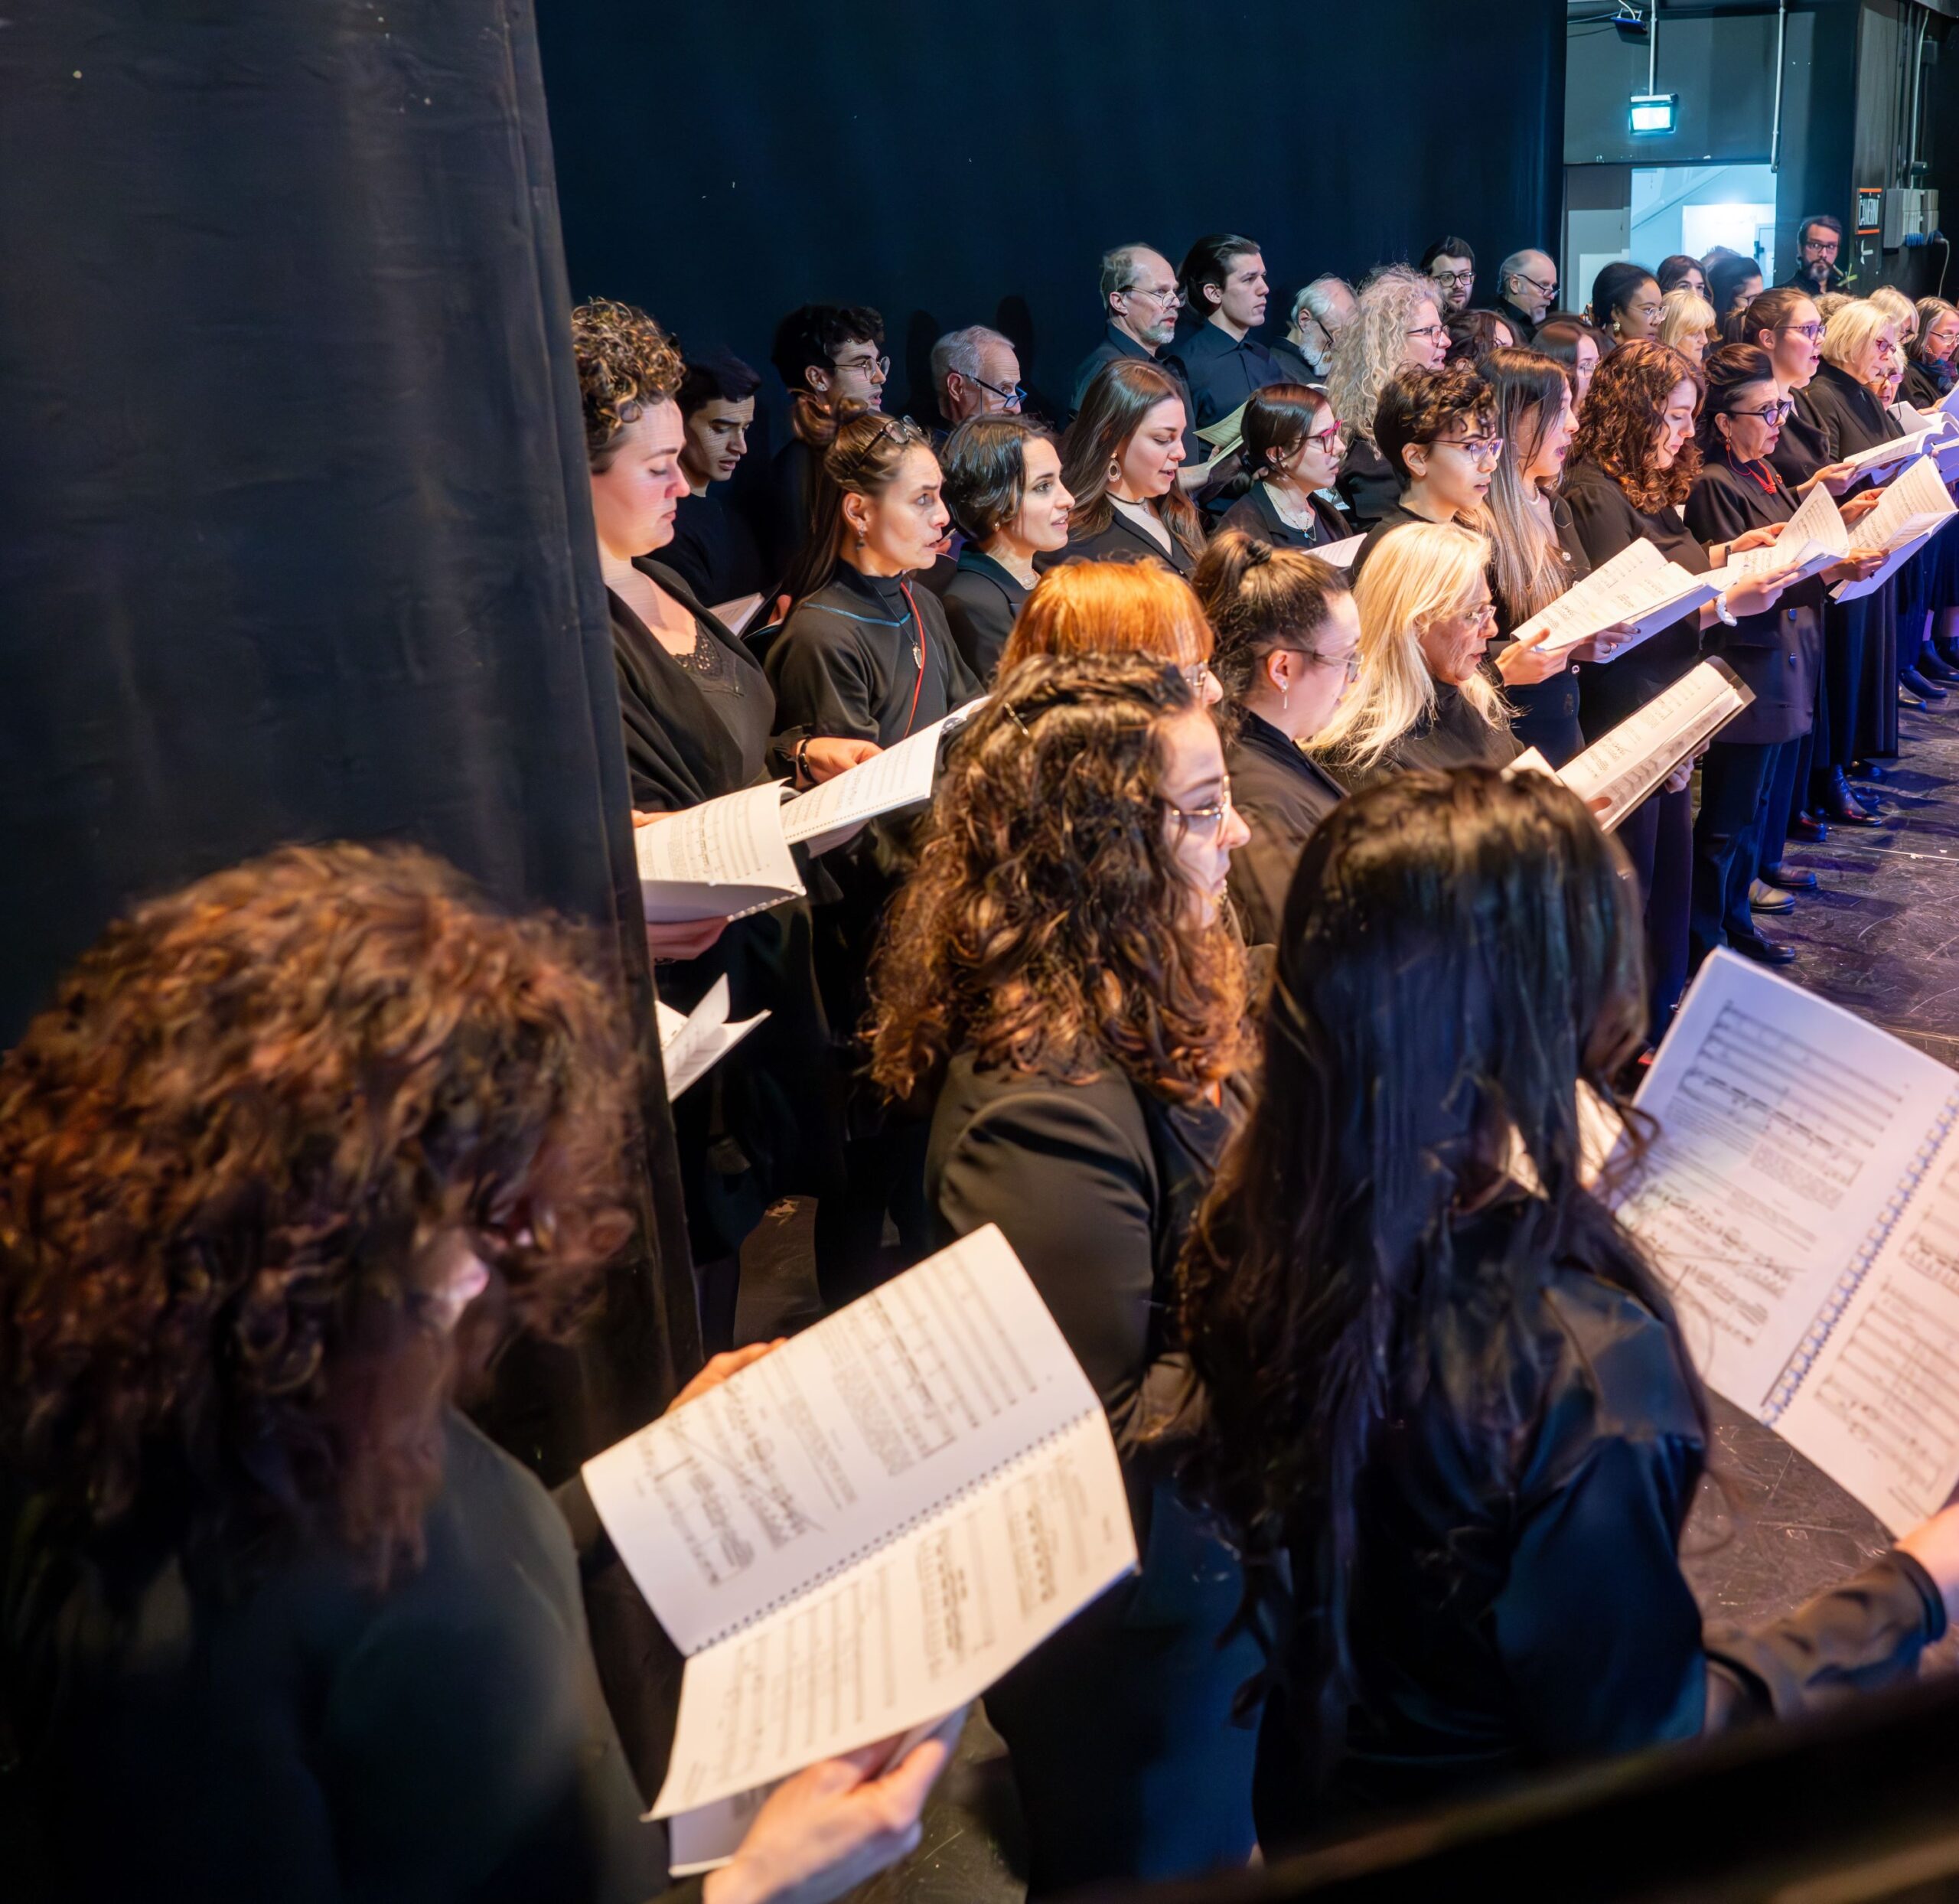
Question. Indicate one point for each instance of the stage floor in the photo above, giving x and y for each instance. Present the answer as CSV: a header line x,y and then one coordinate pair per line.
x,y
1882,937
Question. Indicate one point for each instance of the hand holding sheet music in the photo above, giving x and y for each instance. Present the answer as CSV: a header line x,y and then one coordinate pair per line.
x,y
1639,592
864,1529
1913,509
725,858
901,776
1802,1198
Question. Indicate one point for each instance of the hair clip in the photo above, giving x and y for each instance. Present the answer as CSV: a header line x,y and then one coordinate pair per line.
x,y
1013,714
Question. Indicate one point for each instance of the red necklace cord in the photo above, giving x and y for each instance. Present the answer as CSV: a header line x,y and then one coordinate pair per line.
x,y
918,622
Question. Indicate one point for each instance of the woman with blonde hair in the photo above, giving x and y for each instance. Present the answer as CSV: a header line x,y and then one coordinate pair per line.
x,y
1687,324
1398,327
1422,699
1117,608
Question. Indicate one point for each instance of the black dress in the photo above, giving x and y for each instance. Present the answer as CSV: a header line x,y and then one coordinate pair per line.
x,y
762,1124
1367,484
1779,655
1253,514
1835,416
1119,1728
1223,372
1510,1614
981,602
1122,541
1452,733
1657,835
714,551
1546,716
295,1734
1281,796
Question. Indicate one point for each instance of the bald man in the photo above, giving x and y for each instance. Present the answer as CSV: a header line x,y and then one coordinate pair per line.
x,y
1528,284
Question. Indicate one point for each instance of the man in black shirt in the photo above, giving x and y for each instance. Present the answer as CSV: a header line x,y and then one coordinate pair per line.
x,y
1222,362
1453,265
826,354
1140,301
1528,282
714,550
1820,241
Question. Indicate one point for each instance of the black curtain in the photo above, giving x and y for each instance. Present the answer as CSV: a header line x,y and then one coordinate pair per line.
x,y
298,540
721,161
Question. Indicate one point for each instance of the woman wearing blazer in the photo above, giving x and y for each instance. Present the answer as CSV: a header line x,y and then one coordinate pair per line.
x,y
1058,976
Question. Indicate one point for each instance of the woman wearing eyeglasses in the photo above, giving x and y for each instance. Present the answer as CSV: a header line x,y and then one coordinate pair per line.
x,y
1779,654
1625,304
1291,448
1631,466
1436,431
1576,348
1422,698
1930,379
1398,327
1059,982
1289,650
1119,463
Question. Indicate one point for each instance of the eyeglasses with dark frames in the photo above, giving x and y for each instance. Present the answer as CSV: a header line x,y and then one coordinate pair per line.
x,y
1546,290
1778,412
1016,395
1454,277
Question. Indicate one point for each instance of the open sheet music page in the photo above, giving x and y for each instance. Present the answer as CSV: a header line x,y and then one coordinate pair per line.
x,y
734,616
1882,455
1914,507
1341,553
1638,590
1627,763
901,776
1788,1129
725,857
1815,535
692,1043
861,1531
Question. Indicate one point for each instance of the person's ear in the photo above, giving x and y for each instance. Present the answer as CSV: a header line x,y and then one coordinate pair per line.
x,y
1415,460
817,378
856,513
1214,294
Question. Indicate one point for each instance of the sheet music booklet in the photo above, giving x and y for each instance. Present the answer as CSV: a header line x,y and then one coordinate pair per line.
x,y
862,1531
1802,1200
1913,509
730,857
692,1043
1627,763
1638,589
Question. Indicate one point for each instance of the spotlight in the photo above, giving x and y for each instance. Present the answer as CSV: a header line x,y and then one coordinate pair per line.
x,y
1653,112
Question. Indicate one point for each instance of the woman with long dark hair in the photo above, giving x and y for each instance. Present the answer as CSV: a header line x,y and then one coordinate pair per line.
x,y
1288,651
289,1154
1057,977
1778,653
1120,463
1291,448
1577,348
1681,272
1455,1414
1733,284
1631,466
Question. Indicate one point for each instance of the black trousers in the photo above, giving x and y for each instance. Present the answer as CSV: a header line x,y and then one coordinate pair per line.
x,y
1843,626
1735,776
1789,786
1658,836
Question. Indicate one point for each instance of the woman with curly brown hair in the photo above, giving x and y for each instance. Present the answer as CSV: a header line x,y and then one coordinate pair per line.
x,y
1454,1425
1057,976
700,720
1632,464
285,1152
1119,462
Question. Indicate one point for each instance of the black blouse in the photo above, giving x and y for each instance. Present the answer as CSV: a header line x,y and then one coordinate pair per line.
x,y
1452,733
1367,483
1777,653
1607,521
1253,514
870,657
1835,416
1281,796
1122,541
1397,515
1527,1610
981,602
1926,385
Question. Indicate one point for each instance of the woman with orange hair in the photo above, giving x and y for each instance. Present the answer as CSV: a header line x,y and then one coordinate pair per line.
x,y
1118,607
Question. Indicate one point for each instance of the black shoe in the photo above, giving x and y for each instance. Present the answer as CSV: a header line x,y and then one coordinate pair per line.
x,y
1841,804
1763,897
1933,665
1788,880
1809,828
1752,945
1948,652
1870,770
1916,703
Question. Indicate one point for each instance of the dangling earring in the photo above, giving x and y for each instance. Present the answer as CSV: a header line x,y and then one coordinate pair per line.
x,y
1115,470
860,539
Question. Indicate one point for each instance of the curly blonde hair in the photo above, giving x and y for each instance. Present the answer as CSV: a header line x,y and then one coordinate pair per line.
x,y
626,362
1372,348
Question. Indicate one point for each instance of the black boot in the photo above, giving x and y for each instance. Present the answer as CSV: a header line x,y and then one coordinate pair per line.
x,y
1870,770
1808,828
1840,805
1932,665
1910,681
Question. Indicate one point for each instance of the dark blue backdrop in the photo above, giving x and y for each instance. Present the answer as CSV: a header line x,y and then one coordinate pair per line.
x,y
720,161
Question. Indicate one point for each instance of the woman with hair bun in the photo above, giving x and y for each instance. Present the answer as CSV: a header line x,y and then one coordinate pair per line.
x,y
1288,641
1057,979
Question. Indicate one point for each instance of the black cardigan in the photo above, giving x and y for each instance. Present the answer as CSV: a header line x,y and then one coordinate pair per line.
x,y
1367,484
1527,1610
1254,515
981,602
305,1738
1281,796
1453,733
1122,541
